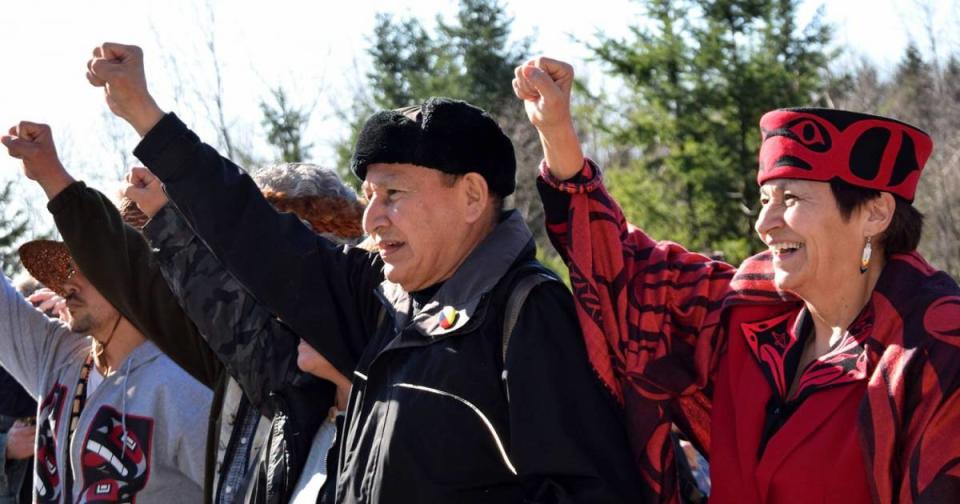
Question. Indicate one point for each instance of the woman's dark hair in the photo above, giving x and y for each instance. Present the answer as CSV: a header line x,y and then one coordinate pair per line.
x,y
903,234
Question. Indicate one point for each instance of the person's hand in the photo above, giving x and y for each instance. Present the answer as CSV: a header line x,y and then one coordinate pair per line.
x,y
545,85
20,440
146,190
49,302
119,70
311,361
32,143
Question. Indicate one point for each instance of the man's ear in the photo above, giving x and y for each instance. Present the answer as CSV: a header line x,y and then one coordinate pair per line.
x,y
878,213
476,195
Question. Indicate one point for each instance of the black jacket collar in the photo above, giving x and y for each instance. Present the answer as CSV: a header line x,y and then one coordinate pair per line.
x,y
456,303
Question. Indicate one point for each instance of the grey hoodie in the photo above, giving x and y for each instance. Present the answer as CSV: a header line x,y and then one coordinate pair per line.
x,y
141,434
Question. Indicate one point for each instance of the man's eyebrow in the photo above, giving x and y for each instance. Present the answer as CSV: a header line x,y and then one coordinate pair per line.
x,y
384,179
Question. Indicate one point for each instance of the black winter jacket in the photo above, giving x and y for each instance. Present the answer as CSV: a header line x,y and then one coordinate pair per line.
x,y
429,417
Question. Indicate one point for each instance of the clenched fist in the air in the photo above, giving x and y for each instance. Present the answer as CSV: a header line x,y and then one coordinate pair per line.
x,y
33,144
118,69
145,189
544,85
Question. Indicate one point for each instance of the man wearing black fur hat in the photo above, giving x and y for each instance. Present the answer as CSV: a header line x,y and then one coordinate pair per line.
x,y
473,383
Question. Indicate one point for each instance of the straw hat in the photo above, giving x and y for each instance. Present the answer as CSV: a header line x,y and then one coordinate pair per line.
x,y
50,262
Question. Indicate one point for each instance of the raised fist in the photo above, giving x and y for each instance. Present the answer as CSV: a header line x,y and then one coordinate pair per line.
x,y
32,143
119,70
544,85
146,190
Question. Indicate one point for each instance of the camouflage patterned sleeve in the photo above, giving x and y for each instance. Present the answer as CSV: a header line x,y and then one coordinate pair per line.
x,y
257,349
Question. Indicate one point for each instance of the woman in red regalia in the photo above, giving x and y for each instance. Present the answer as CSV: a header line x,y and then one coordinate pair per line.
x,y
826,369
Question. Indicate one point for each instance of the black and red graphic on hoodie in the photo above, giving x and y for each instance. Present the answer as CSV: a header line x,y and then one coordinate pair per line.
x,y
115,456
47,480
115,459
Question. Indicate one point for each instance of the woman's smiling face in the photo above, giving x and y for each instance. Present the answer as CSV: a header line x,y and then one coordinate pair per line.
x,y
814,247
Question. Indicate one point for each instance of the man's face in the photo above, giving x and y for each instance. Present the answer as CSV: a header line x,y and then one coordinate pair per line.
x,y
418,220
89,312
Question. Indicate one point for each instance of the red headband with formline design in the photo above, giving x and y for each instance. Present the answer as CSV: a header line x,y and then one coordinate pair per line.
x,y
863,150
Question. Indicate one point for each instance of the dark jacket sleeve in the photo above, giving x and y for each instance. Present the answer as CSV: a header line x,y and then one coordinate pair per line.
x,y
325,293
14,400
7,490
258,350
567,437
13,473
118,262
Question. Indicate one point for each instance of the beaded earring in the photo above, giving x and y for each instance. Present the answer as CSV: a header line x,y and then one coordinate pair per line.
x,y
865,258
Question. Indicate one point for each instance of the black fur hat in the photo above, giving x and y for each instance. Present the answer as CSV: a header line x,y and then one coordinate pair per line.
x,y
447,135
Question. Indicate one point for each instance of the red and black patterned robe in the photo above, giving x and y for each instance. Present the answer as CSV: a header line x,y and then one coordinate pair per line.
x,y
680,339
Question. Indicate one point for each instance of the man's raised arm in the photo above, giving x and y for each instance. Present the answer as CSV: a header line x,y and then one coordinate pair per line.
x,y
119,70
114,257
312,285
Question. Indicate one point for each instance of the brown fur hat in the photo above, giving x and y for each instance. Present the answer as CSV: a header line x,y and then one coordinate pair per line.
x,y
317,196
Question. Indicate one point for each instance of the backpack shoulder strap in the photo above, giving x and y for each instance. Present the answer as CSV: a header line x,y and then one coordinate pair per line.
x,y
518,296
521,282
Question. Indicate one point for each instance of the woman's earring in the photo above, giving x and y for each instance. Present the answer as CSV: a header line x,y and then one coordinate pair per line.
x,y
865,258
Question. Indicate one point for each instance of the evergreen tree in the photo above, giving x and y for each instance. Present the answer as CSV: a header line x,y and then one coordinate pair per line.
x,y
478,44
285,125
408,65
697,81
914,97
469,58
13,229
